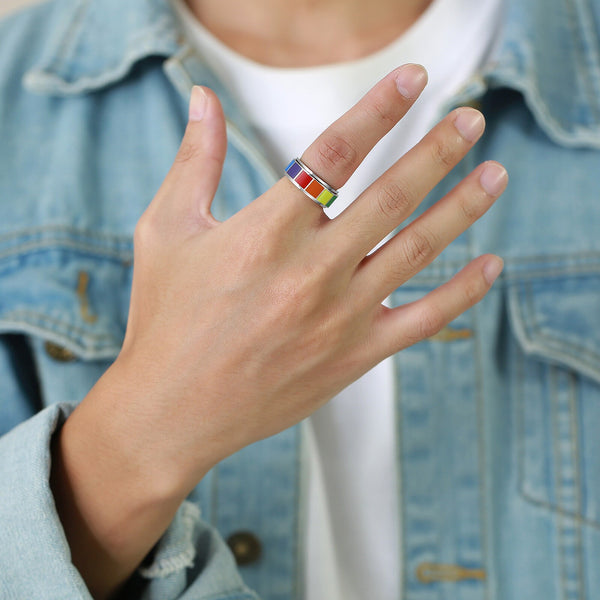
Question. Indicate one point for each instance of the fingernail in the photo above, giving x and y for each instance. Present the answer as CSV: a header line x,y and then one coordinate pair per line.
x,y
197,103
493,178
492,268
411,80
470,124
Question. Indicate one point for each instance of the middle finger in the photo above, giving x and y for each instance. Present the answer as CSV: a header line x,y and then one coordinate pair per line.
x,y
391,199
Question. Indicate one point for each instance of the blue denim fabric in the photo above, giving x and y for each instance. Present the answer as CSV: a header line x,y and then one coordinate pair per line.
x,y
499,456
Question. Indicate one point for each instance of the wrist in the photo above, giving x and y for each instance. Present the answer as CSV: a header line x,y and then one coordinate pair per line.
x,y
119,432
110,529
114,494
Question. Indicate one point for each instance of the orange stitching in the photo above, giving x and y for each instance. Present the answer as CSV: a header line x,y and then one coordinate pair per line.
x,y
84,303
432,572
449,334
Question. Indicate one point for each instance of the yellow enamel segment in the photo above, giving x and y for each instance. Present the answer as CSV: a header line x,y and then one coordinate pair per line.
x,y
325,198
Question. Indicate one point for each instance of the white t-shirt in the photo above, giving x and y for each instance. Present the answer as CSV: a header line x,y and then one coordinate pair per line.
x,y
353,522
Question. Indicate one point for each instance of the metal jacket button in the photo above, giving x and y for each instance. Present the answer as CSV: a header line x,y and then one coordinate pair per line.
x,y
58,353
246,547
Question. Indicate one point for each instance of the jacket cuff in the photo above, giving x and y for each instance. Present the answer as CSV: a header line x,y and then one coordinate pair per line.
x,y
35,560
190,561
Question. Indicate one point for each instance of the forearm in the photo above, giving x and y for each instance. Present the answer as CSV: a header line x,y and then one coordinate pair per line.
x,y
112,503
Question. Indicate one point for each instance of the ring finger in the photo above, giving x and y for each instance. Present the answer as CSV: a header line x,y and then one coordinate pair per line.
x,y
340,149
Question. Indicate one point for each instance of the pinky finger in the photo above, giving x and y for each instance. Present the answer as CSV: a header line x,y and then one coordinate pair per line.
x,y
400,327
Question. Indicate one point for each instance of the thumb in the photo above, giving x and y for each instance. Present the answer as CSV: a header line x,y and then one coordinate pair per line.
x,y
197,168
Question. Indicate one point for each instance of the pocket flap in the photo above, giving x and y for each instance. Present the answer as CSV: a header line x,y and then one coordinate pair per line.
x,y
77,301
558,320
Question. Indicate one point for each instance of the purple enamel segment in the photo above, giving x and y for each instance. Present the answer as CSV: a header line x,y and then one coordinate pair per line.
x,y
293,169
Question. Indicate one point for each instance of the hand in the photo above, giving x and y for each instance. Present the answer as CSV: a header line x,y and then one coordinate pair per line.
x,y
240,329
244,328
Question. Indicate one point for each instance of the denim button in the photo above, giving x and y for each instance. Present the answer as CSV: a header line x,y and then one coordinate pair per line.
x,y
246,547
58,353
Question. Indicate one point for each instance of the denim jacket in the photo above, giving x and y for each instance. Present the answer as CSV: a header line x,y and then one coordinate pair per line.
x,y
497,416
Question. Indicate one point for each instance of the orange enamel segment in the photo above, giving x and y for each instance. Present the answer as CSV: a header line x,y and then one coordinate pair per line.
x,y
315,188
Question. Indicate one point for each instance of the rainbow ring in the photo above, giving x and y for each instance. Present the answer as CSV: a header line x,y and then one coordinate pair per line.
x,y
312,185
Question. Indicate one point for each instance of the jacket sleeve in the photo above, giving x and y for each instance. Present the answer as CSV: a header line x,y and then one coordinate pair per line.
x,y
190,562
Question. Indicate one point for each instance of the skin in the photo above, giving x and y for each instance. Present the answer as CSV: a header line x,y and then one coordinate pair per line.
x,y
201,373
307,32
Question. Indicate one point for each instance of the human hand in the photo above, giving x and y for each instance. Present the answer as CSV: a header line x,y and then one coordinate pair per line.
x,y
240,329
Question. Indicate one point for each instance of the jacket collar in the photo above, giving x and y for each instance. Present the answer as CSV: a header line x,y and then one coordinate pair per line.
x,y
95,43
548,51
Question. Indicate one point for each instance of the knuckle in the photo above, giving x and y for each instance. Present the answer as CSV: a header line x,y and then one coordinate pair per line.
x,y
417,249
250,250
144,232
393,200
315,279
397,270
297,291
470,209
334,152
432,321
381,111
443,153
474,291
188,151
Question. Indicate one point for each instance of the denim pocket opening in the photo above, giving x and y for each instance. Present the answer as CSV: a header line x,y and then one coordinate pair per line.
x,y
556,327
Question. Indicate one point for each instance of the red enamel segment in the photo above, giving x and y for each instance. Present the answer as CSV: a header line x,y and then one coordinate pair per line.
x,y
303,179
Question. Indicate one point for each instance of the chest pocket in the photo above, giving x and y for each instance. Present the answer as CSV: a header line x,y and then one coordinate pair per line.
x,y
72,308
557,393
